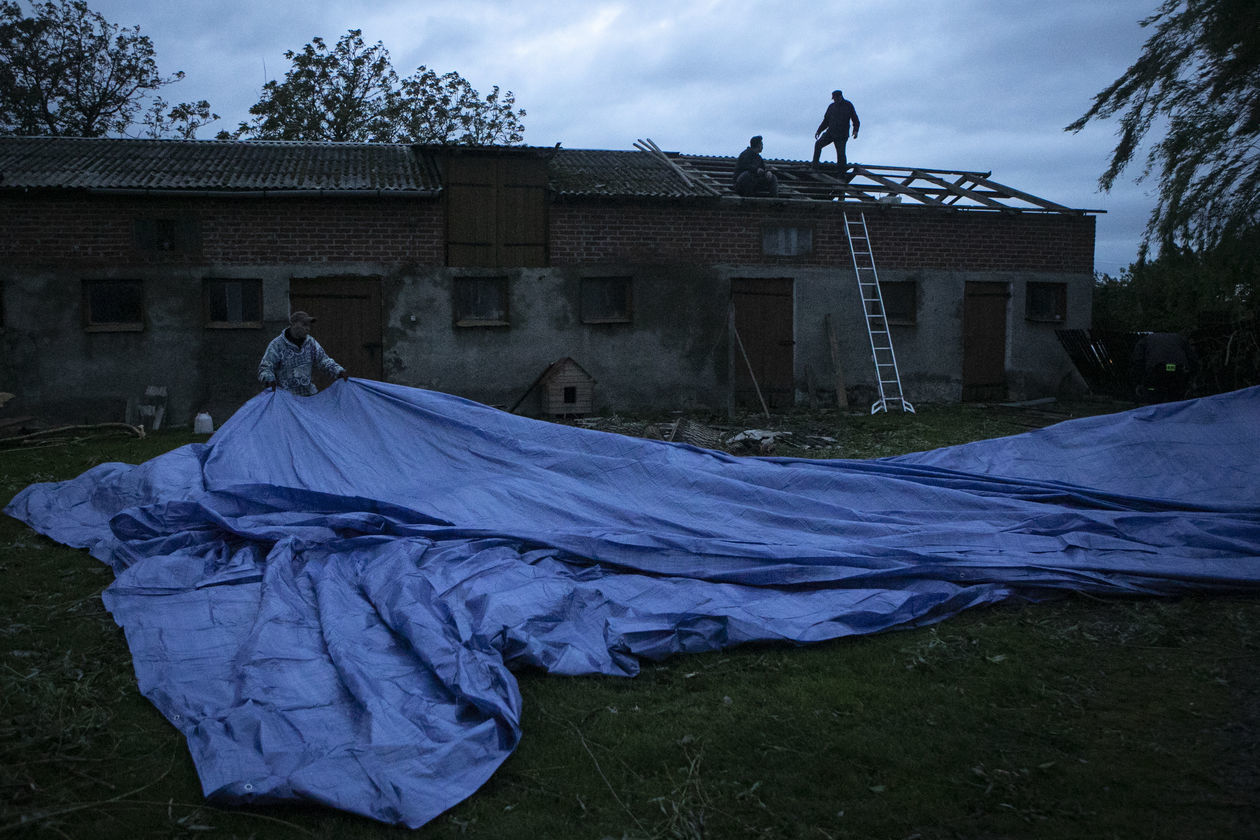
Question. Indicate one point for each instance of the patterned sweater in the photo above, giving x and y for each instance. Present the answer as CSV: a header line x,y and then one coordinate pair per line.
x,y
290,366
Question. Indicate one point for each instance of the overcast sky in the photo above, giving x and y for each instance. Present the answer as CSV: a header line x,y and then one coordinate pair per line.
x,y
982,85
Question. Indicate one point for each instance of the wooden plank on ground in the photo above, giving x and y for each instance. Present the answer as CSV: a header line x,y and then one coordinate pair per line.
x,y
842,399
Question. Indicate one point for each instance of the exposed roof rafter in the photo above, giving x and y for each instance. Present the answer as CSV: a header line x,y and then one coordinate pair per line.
x,y
882,184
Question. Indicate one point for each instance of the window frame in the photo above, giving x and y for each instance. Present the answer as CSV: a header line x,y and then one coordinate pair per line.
x,y
780,232
166,234
90,324
624,317
462,319
209,283
1059,302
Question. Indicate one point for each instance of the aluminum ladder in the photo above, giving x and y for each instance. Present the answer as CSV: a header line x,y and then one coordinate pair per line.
x,y
886,372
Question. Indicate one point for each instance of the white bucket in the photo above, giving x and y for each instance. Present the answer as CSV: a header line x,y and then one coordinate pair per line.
x,y
203,424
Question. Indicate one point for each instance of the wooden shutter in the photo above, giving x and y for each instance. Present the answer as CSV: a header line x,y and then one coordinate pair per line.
x,y
496,211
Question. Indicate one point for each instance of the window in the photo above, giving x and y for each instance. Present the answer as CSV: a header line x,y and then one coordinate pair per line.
x,y
167,235
481,301
1046,302
901,301
787,241
233,303
113,305
606,300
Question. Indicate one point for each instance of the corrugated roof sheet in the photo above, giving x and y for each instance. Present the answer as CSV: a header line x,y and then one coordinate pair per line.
x,y
596,172
124,164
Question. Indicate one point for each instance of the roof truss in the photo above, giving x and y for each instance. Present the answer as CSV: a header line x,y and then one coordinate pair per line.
x,y
880,184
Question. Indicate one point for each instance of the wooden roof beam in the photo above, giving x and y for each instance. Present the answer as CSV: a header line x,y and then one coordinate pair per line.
x,y
654,150
900,189
962,192
1010,192
848,189
919,169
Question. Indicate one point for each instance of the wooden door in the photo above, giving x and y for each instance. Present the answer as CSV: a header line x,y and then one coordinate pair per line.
x,y
764,327
348,320
984,341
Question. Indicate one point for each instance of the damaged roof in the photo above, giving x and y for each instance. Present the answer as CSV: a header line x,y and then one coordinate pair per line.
x,y
252,166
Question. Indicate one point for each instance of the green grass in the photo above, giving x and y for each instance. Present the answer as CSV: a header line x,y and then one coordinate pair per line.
x,y
1075,719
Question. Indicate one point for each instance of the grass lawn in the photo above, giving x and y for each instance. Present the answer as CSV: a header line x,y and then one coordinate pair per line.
x,y
1074,719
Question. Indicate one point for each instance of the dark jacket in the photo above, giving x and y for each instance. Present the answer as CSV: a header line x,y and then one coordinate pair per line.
x,y
748,161
838,116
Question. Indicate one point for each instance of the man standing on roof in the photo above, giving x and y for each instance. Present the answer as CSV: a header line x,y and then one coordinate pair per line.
x,y
834,128
292,357
752,176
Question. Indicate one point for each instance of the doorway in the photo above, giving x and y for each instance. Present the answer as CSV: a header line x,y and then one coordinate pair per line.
x,y
984,341
762,317
348,325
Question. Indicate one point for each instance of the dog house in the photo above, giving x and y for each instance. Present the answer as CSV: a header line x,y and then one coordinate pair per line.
x,y
567,389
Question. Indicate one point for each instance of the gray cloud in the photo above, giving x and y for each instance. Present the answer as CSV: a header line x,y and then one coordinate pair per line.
x,y
970,84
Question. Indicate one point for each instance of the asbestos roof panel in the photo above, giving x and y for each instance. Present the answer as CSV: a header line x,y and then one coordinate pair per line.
x,y
124,164
597,172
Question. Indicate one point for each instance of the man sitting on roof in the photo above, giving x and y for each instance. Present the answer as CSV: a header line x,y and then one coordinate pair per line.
x,y
752,176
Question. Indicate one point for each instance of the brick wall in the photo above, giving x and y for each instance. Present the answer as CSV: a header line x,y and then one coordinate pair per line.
x,y
901,237
81,231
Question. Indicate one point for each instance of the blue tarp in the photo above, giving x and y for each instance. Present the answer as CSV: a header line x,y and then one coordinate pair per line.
x,y
328,597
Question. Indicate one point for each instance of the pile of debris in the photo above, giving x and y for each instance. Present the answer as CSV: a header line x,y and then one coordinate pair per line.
x,y
25,432
736,440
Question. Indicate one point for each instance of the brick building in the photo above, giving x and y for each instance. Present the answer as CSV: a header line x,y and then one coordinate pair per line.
x,y
130,263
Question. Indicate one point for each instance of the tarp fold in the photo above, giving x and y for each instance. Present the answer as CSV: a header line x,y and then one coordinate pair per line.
x,y
328,598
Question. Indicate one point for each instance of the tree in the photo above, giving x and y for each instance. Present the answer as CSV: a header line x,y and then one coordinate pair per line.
x,y
66,70
350,92
338,94
446,109
183,120
1212,297
1197,78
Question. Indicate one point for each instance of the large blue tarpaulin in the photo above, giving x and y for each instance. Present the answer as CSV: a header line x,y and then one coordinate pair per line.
x,y
328,597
